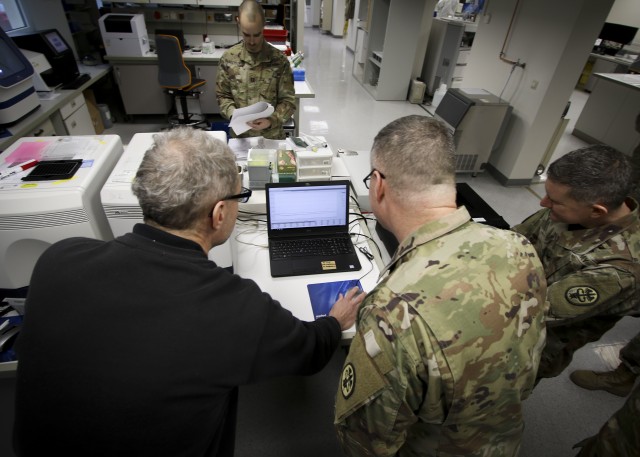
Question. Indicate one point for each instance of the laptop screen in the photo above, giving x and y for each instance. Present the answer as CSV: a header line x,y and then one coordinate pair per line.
x,y
306,206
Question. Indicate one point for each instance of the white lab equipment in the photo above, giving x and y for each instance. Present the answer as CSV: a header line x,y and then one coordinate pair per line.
x,y
17,95
477,119
40,65
36,214
124,34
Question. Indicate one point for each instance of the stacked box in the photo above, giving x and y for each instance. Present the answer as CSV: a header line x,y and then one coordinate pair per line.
x,y
260,167
287,166
314,165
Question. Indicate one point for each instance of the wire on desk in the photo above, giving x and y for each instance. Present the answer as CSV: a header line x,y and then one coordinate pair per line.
x,y
257,232
369,238
369,257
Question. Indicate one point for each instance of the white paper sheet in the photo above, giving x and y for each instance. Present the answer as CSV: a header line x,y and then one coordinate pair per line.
x,y
241,116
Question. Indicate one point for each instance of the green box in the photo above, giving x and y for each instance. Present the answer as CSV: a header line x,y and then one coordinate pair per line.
x,y
286,162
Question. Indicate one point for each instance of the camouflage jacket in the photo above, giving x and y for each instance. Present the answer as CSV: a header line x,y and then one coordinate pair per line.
x,y
447,346
589,271
244,79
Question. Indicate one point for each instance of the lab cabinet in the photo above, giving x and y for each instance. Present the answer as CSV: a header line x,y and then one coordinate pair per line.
x,y
141,93
609,116
337,19
139,89
44,129
326,15
447,53
208,99
73,118
394,27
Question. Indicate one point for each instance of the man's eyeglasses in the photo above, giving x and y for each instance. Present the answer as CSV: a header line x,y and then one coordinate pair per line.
x,y
242,197
368,177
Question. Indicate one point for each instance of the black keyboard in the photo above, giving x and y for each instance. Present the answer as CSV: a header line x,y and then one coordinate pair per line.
x,y
79,81
281,249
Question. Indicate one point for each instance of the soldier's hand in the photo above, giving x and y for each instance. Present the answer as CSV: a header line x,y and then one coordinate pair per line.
x,y
346,308
259,124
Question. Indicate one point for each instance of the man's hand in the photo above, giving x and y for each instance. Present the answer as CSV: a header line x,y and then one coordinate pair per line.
x,y
260,124
346,308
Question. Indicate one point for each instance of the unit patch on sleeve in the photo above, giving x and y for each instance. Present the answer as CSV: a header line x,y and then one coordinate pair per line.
x,y
348,380
581,295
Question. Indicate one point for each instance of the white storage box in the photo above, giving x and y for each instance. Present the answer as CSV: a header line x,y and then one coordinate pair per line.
x,y
320,158
314,173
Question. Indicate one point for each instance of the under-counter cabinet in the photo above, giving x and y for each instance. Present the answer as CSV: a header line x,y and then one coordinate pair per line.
x,y
208,99
73,118
139,89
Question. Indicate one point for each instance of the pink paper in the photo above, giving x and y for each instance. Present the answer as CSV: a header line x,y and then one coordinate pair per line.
x,y
27,150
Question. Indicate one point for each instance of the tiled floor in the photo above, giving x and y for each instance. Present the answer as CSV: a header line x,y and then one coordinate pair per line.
x,y
293,417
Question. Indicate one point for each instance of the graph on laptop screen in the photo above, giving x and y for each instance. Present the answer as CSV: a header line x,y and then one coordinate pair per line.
x,y
296,207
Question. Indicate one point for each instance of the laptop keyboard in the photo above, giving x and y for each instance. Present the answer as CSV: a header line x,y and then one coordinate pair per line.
x,y
281,249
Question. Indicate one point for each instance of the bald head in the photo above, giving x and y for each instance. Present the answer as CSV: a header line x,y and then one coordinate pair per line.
x,y
251,11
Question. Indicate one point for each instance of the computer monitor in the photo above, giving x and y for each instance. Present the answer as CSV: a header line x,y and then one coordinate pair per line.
x,y
64,68
179,34
618,33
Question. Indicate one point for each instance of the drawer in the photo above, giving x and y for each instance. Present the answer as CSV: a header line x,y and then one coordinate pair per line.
x,y
79,123
44,129
314,173
73,105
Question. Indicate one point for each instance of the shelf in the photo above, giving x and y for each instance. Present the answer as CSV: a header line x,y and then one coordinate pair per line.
x,y
375,62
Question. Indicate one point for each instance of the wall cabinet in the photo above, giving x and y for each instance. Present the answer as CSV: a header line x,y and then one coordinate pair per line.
x,y
390,48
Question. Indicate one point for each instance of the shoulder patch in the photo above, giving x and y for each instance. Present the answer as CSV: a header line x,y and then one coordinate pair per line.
x,y
581,295
347,380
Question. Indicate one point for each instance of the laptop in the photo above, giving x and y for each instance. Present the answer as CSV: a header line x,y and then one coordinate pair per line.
x,y
309,216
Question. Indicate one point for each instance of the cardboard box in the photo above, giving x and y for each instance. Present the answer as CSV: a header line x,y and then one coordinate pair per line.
x,y
94,112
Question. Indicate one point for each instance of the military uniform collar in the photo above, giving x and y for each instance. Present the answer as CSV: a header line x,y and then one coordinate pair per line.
x,y
262,56
428,232
585,240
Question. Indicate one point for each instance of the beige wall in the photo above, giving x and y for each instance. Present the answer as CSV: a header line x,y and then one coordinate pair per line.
x,y
553,39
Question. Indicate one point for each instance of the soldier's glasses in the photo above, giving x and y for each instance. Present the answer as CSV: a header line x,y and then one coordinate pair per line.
x,y
368,177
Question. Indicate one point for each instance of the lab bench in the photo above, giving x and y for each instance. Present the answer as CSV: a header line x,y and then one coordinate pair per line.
x,y
61,112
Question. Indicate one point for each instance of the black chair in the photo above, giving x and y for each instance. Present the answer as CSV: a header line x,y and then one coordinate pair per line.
x,y
175,77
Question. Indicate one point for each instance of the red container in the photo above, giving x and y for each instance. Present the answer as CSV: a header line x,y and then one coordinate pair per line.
x,y
275,35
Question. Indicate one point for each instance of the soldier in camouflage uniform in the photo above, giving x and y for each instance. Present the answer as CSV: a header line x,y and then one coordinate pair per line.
x,y
618,382
254,71
619,435
589,243
448,344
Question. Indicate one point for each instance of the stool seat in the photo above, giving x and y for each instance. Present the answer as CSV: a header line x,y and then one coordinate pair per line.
x,y
176,80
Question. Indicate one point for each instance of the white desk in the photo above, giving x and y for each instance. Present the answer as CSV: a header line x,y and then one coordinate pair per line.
x,y
609,116
251,260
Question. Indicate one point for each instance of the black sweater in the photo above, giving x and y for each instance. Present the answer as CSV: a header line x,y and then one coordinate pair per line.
x,y
136,347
